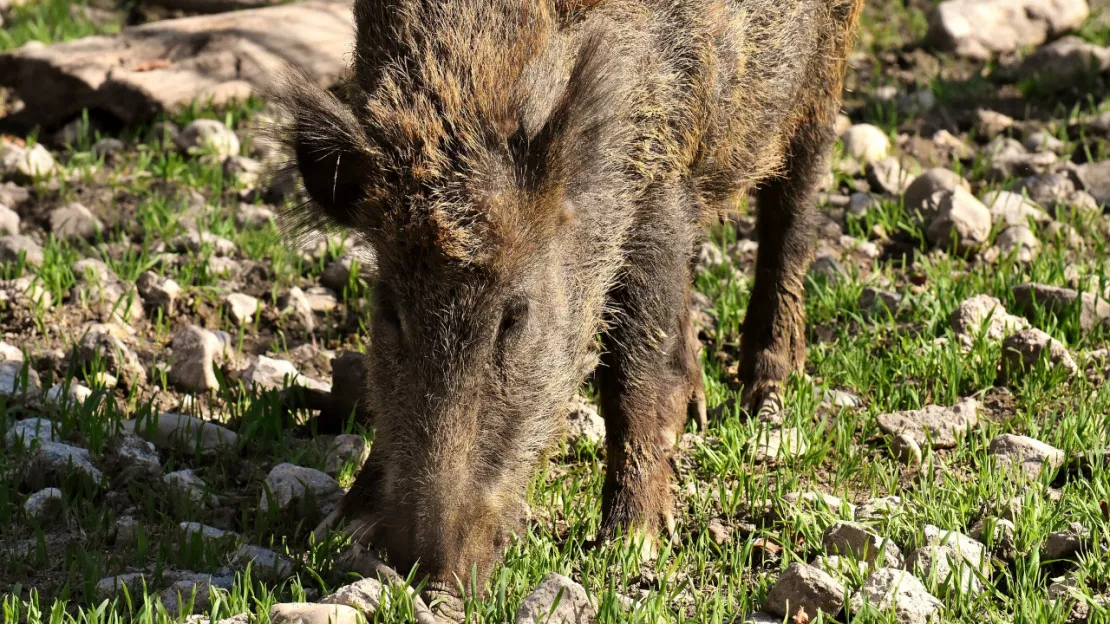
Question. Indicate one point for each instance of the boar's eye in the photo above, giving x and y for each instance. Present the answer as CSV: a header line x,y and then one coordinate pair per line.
x,y
513,318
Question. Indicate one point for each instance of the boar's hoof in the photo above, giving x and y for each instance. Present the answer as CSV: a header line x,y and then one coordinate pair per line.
x,y
696,411
769,407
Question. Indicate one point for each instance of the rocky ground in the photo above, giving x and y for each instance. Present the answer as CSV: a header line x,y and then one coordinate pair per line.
x,y
944,458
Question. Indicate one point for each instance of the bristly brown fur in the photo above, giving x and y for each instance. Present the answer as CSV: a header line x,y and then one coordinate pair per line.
x,y
531,173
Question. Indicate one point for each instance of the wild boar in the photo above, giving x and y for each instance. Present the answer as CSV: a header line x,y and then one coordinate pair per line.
x,y
533,177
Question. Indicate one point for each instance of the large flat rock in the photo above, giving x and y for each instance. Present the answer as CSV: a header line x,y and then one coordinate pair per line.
x,y
168,64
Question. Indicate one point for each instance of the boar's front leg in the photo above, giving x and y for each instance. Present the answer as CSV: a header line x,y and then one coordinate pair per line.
x,y
773,342
648,377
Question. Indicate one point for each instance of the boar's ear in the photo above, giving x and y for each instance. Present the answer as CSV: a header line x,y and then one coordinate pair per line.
x,y
586,120
329,150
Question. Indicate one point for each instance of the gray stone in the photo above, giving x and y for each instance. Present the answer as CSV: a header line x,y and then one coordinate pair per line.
x,y
865,143
996,533
254,215
1030,455
295,303
843,569
1060,545
874,301
18,379
906,449
196,352
99,289
934,425
9,220
367,596
321,299
897,591
126,532
861,204
273,374
337,274
107,148
1061,63
246,170
241,308
74,222
186,485
1095,178
1013,209
1093,310
29,430
185,433
1022,351
25,164
101,343
44,506
289,486
879,508
1043,141
197,242
55,462
889,176
772,444
540,606
206,534
961,219
112,587
1018,242
949,559
157,291
804,587
710,255
980,29
984,313
826,268
855,541
14,245
584,423
309,613
346,448
265,563
209,138
992,123
135,456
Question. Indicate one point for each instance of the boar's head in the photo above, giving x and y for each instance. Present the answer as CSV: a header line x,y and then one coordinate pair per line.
x,y
481,183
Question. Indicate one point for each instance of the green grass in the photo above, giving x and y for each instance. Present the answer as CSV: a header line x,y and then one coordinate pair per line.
x,y
50,21
891,362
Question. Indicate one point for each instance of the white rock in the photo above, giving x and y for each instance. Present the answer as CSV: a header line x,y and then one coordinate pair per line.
x,y
25,432
778,443
855,541
865,143
979,29
247,170
10,353
54,462
934,425
24,164
1020,242
308,613
1022,351
65,395
897,591
101,343
196,352
9,220
185,433
135,456
346,448
187,485
273,374
197,242
367,596
205,533
984,312
574,606
321,299
208,137
254,215
265,563
961,218
804,587
74,222
111,587
18,379
13,246
295,303
1013,209
584,423
157,291
45,505
290,485
241,308
1030,455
